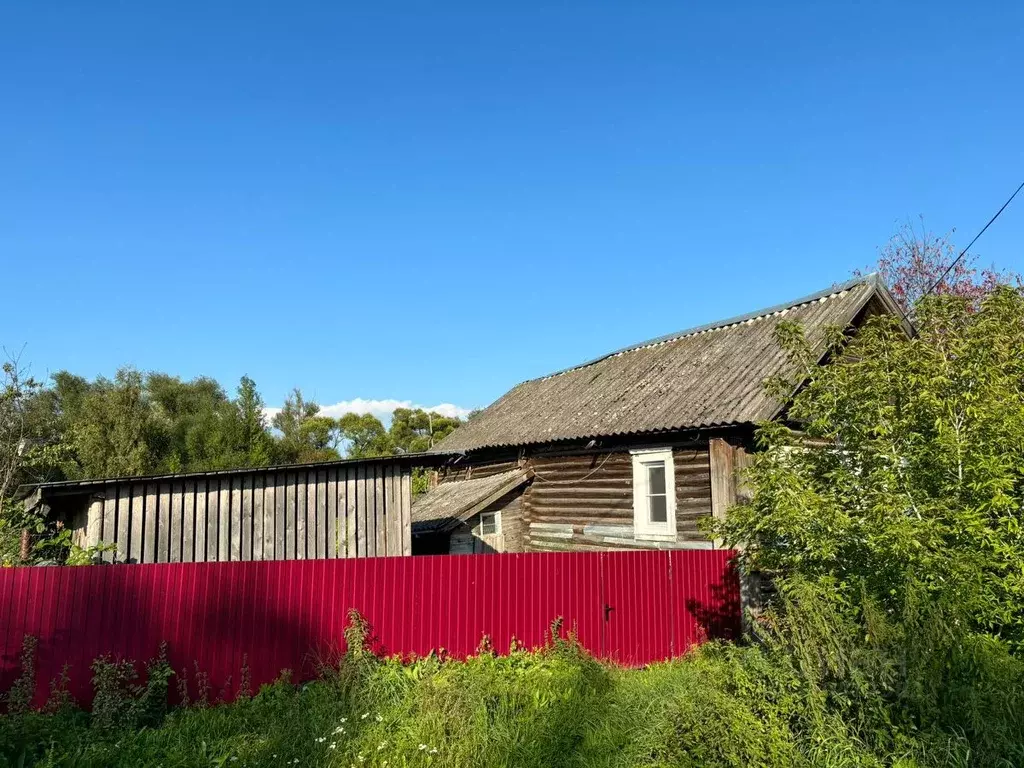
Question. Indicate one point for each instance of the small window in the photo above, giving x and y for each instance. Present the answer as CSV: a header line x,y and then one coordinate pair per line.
x,y
654,499
489,523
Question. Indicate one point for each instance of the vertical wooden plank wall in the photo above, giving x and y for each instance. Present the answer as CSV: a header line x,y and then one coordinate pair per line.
x,y
357,510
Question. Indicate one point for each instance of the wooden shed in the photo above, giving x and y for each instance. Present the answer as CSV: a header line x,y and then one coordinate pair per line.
x,y
352,508
630,450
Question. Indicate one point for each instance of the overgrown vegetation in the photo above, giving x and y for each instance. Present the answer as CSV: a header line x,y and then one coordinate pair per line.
x,y
904,474
814,691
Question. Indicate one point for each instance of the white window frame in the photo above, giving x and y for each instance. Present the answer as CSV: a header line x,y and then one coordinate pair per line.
x,y
643,528
497,523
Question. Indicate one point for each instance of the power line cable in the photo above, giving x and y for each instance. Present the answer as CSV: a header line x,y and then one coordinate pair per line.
x,y
965,250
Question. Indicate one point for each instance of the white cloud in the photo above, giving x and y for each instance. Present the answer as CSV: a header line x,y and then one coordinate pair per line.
x,y
382,409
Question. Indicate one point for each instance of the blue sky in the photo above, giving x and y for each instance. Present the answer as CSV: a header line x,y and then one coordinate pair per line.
x,y
434,201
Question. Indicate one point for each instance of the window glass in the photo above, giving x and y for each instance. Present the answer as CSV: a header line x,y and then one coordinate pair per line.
x,y
659,509
488,524
656,477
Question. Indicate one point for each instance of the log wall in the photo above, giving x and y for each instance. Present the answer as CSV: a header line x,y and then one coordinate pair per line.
x,y
584,502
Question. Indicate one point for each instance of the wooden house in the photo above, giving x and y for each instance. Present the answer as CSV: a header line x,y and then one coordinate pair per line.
x,y
629,450
352,508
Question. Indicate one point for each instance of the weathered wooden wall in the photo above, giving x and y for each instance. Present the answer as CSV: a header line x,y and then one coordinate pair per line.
x,y
469,471
356,510
511,538
584,502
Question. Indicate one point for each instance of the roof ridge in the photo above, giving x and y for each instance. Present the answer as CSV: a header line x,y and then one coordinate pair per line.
x,y
758,314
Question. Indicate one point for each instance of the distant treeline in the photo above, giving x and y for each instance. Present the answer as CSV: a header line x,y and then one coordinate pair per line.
x,y
144,423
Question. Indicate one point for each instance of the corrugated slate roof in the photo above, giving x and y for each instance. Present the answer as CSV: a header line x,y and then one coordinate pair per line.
x,y
706,376
448,503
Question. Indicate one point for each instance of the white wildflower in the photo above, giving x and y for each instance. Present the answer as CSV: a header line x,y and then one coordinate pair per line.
x,y
380,718
365,715
422,747
433,751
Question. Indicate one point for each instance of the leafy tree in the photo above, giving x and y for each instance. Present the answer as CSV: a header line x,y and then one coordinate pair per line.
x,y
17,452
254,442
305,435
195,424
902,466
182,426
414,431
116,430
15,395
913,261
296,410
365,436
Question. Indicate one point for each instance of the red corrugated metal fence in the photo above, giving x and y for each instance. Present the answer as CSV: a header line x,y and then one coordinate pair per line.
x,y
629,607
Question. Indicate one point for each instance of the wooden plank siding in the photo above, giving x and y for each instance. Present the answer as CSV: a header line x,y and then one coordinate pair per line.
x,y
284,514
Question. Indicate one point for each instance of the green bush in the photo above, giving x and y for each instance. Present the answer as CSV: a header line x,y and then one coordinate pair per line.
x,y
121,703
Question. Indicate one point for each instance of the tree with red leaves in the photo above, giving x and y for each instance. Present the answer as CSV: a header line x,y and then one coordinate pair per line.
x,y
913,262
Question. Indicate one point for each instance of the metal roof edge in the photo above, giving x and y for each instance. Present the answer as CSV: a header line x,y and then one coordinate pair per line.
x,y
564,442
427,457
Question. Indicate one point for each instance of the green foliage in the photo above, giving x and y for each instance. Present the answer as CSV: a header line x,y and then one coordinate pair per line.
x,y
254,441
116,431
115,689
906,470
415,431
60,549
145,424
812,692
305,435
411,431
19,698
120,702
365,435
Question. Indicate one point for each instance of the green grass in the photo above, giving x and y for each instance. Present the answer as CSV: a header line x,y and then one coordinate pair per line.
x,y
721,706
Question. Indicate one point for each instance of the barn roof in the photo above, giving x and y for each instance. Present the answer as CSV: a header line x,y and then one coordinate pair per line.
x,y
448,503
711,375
422,459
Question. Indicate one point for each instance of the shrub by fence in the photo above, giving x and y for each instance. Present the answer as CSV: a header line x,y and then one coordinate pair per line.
x,y
629,607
